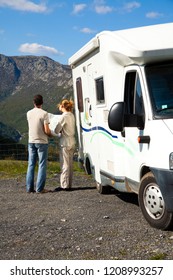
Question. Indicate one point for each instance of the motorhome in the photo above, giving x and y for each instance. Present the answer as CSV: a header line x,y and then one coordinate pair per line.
x,y
123,90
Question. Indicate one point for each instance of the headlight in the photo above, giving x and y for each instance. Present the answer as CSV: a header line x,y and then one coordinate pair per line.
x,y
171,161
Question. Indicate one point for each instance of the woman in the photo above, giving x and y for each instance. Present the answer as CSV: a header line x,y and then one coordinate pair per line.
x,y
66,128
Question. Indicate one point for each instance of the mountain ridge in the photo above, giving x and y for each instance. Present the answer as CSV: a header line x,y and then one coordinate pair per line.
x,y
22,77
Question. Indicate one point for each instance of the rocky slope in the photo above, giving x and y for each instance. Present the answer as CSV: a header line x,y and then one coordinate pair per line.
x,y
21,77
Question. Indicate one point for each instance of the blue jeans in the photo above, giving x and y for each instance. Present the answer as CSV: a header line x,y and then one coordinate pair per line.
x,y
40,151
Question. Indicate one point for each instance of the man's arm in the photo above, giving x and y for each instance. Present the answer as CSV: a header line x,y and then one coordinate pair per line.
x,y
47,130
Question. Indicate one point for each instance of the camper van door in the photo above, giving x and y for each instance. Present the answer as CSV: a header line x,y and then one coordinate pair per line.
x,y
134,97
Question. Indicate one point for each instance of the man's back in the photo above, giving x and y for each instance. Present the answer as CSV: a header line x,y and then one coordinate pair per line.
x,y
37,117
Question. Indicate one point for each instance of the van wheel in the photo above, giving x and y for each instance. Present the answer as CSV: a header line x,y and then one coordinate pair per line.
x,y
152,203
102,189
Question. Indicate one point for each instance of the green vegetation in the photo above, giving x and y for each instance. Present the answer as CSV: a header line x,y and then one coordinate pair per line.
x,y
158,256
13,110
15,168
23,77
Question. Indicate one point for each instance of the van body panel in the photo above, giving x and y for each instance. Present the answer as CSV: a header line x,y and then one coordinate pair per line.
x,y
123,91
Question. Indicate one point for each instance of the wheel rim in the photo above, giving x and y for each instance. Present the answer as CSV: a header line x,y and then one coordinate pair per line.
x,y
154,202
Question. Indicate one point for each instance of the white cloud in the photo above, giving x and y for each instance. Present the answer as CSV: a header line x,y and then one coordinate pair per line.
x,y
87,30
78,8
24,5
98,5
101,8
153,15
130,6
38,49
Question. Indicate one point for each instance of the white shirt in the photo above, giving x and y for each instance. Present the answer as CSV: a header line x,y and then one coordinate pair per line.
x,y
66,126
37,117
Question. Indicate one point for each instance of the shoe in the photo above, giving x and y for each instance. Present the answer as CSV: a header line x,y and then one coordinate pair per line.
x,y
67,189
58,189
31,191
45,191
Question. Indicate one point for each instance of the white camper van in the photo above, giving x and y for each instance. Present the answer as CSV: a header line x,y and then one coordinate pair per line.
x,y
123,88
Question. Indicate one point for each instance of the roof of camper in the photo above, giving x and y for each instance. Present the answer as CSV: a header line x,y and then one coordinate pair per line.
x,y
135,45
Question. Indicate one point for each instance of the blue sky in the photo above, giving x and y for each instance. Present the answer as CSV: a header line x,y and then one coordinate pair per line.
x,y
58,29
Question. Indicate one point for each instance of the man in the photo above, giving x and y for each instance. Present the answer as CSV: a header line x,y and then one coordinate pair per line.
x,y
38,123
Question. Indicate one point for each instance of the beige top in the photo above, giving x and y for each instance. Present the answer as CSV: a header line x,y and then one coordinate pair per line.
x,y
37,117
66,126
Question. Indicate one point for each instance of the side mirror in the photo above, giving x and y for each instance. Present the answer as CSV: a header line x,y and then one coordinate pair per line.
x,y
116,116
117,119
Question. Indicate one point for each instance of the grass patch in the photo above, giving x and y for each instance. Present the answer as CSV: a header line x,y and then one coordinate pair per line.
x,y
16,168
158,256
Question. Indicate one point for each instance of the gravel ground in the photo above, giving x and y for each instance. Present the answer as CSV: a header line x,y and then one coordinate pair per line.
x,y
81,224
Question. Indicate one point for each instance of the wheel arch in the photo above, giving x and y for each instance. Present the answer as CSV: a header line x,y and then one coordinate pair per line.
x,y
144,170
88,164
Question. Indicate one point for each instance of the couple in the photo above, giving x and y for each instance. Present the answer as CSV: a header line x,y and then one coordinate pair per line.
x,y
39,131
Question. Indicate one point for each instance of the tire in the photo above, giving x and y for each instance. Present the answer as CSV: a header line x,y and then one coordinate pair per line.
x,y
152,204
102,189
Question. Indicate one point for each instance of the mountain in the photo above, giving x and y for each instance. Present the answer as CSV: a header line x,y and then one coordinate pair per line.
x,y
22,77
9,134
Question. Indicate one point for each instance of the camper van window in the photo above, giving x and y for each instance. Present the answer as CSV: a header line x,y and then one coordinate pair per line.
x,y
139,105
133,94
79,94
160,85
100,90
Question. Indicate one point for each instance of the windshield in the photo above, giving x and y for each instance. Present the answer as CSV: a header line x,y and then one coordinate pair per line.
x,y
160,84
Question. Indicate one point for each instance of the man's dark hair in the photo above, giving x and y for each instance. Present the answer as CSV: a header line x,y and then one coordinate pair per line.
x,y
38,100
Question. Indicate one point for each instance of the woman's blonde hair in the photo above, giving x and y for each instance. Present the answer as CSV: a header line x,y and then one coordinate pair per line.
x,y
67,104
